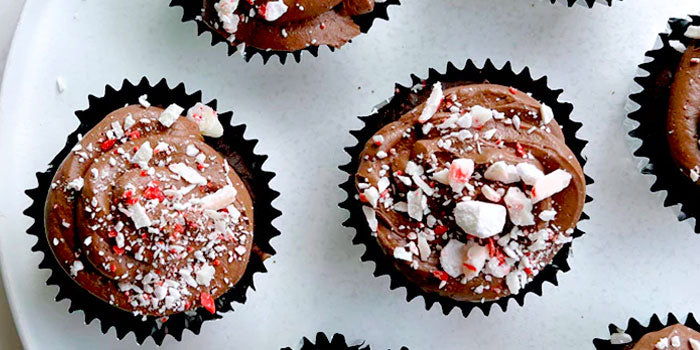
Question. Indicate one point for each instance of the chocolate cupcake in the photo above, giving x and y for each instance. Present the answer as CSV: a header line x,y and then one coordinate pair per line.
x,y
337,342
588,3
672,335
279,27
468,186
665,117
151,218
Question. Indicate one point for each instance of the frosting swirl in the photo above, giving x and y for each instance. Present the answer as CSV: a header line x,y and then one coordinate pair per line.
x,y
286,25
684,114
148,217
472,192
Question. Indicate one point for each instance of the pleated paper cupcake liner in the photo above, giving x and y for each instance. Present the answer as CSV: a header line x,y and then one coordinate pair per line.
x,y
587,3
193,12
636,330
336,342
240,154
406,99
646,122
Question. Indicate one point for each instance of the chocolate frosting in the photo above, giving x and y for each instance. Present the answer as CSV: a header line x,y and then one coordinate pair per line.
x,y
684,112
666,337
304,23
192,249
531,140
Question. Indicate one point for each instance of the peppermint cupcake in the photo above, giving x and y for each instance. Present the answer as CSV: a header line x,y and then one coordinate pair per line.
x,y
672,335
279,27
469,188
147,218
664,116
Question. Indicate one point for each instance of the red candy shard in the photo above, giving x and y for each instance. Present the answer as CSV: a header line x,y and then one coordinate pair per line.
x,y
207,302
106,145
441,275
440,229
154,192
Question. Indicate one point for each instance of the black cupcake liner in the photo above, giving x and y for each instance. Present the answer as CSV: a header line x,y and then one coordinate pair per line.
x,y
193,12
647,121
588,3
636,330
239,153
405,99
337,342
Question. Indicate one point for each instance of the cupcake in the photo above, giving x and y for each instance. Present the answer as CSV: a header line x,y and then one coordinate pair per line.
x,y
588,3
468,188
655,336
666,119
336,342
148,220
283,26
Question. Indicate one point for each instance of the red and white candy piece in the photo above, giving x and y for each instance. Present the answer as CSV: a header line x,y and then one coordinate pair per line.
x,y
480,219
550,185
432,104
480,116
207,120
219,199
273,10
476,258
461,171
519,207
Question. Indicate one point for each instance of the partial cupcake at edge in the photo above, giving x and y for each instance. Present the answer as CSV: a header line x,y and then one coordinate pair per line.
x,y
668,114
147,216
473,192
278,27
657,335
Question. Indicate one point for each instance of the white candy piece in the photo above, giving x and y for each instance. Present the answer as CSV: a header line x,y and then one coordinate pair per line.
x,y
465,121
274,10
415,201
452,257
694,344
432,104
423,248
547,215
219,199
480,116
519,207
515,282
170,115
401,253
372,196
693,32
620,338
371,218
502,172
546,113
442,176
143,155
480,219
139,216
490,193
76,267
550,185
529,173
225,10
143,101
76,185
206,118
204,275
461,171
190,175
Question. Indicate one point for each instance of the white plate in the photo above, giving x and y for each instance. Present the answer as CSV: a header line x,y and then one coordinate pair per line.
x,y
635,259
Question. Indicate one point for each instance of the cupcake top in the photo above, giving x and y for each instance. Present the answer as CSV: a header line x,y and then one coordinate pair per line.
x,y
148,217
676,337
472,192
285,25
684,110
